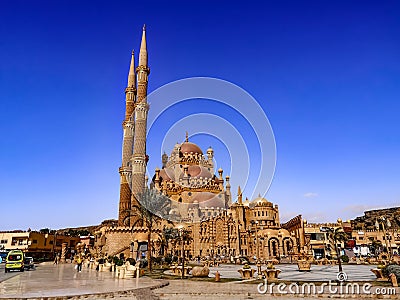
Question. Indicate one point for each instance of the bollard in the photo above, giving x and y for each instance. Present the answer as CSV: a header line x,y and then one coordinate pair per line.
x,y
217,276
393,279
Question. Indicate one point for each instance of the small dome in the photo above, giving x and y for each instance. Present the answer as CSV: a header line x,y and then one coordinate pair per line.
x,y
188,147
167,174
196,171
207,199
260,201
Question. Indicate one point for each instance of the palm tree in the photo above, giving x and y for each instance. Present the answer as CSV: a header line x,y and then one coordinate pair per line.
x,y
179,235
153,205
337,235
170,234
175,235
376,246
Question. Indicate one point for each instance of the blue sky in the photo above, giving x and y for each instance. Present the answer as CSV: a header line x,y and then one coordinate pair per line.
x,y
326,73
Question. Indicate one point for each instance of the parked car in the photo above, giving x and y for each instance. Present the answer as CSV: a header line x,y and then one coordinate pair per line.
x,y
28,263
242,260
15,261
3,256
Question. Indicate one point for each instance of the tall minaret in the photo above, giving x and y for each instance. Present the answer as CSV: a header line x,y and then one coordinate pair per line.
x,y
139,147
127,147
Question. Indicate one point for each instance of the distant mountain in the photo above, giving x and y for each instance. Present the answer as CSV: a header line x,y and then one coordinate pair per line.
x,y
367,221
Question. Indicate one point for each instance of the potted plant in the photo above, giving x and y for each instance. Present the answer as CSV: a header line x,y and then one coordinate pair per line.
x,y
304,262
271,272
119,268
101,264
246,272
270,266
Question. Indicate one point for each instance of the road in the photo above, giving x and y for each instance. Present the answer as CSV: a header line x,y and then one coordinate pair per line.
x,y
4,275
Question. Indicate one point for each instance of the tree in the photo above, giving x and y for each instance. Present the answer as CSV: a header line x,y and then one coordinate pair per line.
x,y
336,235
172,234
179,235
153,205
376,246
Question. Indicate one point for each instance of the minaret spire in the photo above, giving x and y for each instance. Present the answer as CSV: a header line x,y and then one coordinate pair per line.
x,y
142,71
240,196
130,91
143,49
132,75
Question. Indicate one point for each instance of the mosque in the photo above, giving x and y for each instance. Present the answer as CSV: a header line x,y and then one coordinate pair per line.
x,y
197,193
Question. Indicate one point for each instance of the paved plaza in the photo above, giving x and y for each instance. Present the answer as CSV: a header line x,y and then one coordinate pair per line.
x,y
63,280
50,281
318,273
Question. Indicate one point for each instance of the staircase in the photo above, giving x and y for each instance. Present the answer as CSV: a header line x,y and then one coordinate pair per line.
x,y
115,253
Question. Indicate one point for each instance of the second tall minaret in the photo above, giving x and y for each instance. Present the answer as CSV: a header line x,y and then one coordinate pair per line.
x,y
139,160
128,126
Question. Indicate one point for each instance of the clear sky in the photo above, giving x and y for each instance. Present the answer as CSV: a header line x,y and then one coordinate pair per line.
x,y
326,73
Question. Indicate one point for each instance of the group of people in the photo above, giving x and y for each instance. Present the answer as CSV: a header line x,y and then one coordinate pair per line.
x,y
78,259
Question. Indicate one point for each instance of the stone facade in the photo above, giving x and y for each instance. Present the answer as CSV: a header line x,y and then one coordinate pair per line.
x,y
187,179
200,198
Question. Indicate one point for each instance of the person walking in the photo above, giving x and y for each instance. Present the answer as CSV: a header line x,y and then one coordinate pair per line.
x,y
91,262
55,259
79,263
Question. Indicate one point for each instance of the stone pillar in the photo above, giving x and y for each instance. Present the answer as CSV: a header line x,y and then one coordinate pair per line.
x,y
280,251
63,252
135,249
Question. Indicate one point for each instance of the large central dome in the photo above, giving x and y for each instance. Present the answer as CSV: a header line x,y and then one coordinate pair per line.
x,y
188,147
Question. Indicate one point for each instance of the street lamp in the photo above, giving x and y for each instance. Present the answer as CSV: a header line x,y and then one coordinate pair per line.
x,y
54,244
238,241
256,239
132,248
382,220
180,228
258,262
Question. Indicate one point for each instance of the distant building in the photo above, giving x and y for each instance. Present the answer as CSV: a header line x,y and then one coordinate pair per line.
x,y
37,244
320,241
369,232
